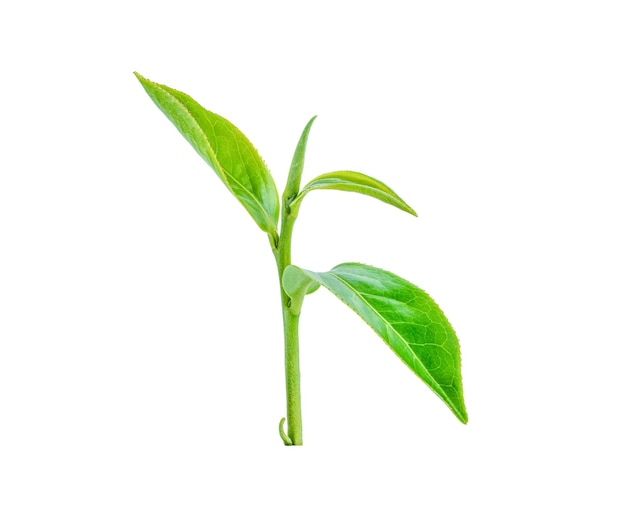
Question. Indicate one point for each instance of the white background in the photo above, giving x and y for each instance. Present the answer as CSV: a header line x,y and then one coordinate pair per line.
x,y
141,377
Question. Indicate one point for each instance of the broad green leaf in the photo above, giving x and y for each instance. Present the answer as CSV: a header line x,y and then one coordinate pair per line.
x,y
297,284
226,150
406,318
356,182
297,164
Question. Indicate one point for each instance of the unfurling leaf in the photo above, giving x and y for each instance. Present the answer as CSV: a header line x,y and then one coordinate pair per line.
x,y
406,318
356,182
297,164
226,150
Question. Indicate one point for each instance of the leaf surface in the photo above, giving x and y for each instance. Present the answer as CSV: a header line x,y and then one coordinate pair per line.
x,y
406,318
225,149
356,182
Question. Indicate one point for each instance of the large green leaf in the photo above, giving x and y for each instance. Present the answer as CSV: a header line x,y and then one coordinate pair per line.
x,y
224,147
404,316
356,182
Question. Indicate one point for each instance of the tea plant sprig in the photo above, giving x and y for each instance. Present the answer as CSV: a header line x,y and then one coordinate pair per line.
x,y
403,315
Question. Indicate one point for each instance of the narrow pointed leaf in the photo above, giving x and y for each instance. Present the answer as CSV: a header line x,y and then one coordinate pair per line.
x,y
226,150
356,182
297,164
407,319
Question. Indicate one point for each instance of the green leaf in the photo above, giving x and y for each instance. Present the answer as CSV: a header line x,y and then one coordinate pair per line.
x,y
297,164
226,150
406,318
356,182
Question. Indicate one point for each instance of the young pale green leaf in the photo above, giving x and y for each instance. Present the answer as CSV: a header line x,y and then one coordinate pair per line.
x,y
356,182
297,164
226,150
406,318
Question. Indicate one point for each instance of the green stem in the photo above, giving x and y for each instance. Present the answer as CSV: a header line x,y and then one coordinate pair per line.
x,y
292,377
282,253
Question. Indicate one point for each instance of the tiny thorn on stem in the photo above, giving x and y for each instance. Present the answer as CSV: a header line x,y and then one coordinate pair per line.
x,y
284,436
